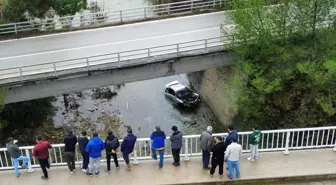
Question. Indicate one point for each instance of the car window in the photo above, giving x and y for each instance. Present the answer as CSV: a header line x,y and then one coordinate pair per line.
x,y
183,93
170,91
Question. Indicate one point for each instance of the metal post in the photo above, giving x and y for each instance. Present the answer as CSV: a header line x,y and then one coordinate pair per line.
x,y
214,3
148,53
30,169
145,16
186,157
21,75
15,29
120,12
135,160
192,5
220,3
205,45
87,64
286,152
168,9
54,64
177,49
119,65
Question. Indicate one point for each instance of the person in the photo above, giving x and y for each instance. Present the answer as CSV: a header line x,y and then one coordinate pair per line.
x,y
232,155
94,148
127,147
158,144
206,146
15,154
82,142
111,145
40,151
232,134
176,144
70,142
217,156
254,143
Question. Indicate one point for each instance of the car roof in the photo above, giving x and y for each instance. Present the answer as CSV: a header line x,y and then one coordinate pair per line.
x,y
177,87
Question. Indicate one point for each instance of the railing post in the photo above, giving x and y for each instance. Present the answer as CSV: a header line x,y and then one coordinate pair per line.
x,y
119,65
30,169
192,5
220,3
87,64
135,160
15,27
186,148
286,152
168,9
177,49
148,53
120,12
21,75
54,64
206,45
145,16
214,3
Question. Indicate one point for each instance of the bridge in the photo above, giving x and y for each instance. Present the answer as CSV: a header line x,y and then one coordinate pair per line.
x,y
74,61
294,155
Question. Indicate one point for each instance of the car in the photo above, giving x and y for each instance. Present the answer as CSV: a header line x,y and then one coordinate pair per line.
x,y
181,95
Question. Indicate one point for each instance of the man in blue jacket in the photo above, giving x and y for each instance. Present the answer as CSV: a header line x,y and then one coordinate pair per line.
x,y
158,138
94,148
233,134
127,147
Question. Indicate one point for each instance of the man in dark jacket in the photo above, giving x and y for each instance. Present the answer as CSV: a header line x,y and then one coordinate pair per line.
x,y
15,154
94,148
82,142
127,147
232,134
158,138
41,152
217,156
176,145
111,146
70,142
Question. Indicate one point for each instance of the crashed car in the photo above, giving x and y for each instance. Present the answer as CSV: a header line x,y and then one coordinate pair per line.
x,y
181,95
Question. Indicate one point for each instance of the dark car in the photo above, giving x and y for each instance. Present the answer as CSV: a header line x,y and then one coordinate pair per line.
x,y
181,95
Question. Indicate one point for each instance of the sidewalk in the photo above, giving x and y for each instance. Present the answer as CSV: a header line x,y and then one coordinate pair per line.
x,y
270,165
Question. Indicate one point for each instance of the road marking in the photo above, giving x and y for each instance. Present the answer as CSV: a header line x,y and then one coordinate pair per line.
x,y
98,45
114,27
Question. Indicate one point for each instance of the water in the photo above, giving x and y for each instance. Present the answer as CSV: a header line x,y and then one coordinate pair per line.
x,y
141,105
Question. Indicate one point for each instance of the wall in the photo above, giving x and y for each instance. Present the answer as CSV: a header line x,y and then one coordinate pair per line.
x,y
210,85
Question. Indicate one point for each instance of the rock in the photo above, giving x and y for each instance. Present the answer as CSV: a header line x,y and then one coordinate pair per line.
x,y
63,113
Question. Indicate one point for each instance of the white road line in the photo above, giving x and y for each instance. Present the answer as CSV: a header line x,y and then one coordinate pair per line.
x,y
114,27
106,44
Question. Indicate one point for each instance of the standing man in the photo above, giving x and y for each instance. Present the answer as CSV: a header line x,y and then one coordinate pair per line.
x,y
41,152
232,155
15,154
254,143
232,134
206,146
82,142
127,146
217,156
158,138
94,148
176,145
70,142
111,145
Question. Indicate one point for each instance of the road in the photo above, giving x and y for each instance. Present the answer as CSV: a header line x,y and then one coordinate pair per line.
x,y
64,46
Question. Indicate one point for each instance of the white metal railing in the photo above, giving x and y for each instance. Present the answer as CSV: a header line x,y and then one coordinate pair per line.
x,y
19,75
271,140
113,17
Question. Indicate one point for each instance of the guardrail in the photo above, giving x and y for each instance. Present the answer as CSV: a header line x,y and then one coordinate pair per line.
x,y
271,140
113,17
19,75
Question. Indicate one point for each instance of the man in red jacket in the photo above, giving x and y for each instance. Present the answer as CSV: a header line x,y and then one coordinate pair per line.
x,y
41,152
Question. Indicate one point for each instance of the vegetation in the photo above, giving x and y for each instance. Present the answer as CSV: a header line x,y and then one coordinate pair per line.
x,y
19,10
286,72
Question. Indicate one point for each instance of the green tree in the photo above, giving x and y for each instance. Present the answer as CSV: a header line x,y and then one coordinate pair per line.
x,y
69,7
285,72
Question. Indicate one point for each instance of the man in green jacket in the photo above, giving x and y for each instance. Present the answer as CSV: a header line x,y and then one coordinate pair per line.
x,y
254,143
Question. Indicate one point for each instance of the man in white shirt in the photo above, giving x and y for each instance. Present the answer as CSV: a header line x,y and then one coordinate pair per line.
x,y
232,155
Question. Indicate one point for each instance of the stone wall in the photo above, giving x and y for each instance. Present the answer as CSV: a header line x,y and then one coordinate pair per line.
x,y
210,85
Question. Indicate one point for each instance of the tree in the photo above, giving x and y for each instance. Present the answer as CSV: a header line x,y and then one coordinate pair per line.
x,y
69,7
285,72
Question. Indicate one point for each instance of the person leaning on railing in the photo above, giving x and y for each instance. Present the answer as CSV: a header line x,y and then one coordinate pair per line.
x,y
127,146
15,154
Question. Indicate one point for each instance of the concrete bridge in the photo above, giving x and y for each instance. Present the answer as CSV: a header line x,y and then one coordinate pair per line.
x,y
51,65
290,156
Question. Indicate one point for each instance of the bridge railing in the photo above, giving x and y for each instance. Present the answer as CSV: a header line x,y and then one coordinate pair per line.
x,y
113,17
271,140
19,75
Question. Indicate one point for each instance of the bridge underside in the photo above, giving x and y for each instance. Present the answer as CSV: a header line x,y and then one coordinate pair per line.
x,y
106,75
